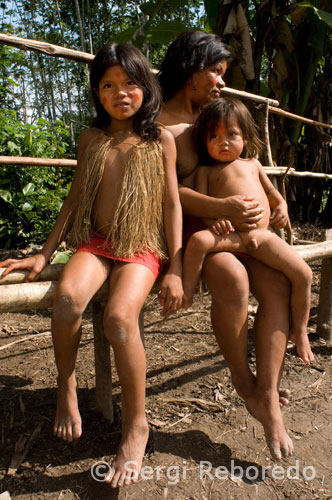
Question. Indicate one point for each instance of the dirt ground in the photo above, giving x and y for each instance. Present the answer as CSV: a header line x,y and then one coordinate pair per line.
x,y
195,417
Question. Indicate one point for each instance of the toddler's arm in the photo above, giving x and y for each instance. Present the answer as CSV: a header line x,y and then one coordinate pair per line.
x,y
37,263
171,291
278,205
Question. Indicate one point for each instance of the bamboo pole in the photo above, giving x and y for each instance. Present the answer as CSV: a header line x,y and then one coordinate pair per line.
x,y
37,162
45,48
292,116
248,95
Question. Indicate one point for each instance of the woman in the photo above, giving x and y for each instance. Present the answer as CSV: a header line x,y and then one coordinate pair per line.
x,y
191,75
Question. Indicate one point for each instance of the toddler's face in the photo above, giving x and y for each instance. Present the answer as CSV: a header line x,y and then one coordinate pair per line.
x,y
120,96
226,143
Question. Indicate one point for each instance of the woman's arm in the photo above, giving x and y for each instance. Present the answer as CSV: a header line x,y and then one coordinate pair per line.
x,y
62,225
243,211
171,288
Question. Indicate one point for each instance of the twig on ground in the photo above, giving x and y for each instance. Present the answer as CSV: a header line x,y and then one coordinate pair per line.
x,y
30,337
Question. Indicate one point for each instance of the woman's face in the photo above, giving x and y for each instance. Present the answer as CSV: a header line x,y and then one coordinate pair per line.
x,y
207,83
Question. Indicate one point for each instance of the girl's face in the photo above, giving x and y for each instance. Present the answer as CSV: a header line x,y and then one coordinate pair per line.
x,y
226,143
120,96
208,82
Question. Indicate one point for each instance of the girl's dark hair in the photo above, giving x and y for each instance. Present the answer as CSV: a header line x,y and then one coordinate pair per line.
x,y
137,66
224,110
191,51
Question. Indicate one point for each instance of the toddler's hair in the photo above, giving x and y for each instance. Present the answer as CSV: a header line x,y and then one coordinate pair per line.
x,y
224,110
137,66
191,51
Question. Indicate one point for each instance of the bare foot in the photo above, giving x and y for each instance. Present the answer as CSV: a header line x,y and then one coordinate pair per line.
x,y
67,424
266,409
303,348
128,461
246,386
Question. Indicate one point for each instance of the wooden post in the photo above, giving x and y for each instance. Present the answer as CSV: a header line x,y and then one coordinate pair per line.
x,y
103,367
324,320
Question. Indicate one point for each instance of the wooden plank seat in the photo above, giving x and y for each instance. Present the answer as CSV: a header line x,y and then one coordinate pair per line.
x,y
16,295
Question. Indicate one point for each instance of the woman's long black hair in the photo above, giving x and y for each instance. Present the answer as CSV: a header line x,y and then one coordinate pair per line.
x,y
137,66
189,52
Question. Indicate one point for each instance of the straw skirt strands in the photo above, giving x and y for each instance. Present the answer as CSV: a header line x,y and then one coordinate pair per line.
x,y
138,225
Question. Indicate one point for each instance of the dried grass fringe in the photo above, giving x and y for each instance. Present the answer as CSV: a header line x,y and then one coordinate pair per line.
x,y
138,225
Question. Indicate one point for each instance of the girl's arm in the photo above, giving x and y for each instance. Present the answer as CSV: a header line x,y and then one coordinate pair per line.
x,y
171,290
37,263
278,205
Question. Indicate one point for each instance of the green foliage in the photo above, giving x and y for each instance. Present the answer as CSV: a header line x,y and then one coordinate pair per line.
x,y
30,197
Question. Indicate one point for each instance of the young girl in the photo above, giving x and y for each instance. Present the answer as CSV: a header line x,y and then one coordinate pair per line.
x,y
124,217
222,131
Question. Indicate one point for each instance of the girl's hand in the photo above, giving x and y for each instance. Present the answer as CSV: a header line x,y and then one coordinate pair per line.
x,y
171,293
222,227
279,216
34,264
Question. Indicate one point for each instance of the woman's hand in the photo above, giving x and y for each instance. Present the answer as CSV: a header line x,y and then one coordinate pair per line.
x,y
222,227
35,264
244,212
171,293
279,216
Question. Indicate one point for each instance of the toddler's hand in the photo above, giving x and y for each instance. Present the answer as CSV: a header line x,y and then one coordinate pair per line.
x,y
279,216
171,293
222,227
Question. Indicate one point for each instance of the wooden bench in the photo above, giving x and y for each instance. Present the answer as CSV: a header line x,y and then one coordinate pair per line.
x,y
16,295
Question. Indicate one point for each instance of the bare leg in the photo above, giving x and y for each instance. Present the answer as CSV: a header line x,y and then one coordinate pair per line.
x,y
129,286
277,254
82,277
271,327
199,245
228,283
227,280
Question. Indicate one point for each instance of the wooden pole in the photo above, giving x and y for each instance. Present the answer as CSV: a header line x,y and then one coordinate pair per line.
x,y
249,96
103,367
37,162
52,272
313,252
287,114
324,320
45,48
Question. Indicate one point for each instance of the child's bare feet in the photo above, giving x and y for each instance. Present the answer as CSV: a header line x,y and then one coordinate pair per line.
x,y
128,461
266,409
67,424
302,343
284,395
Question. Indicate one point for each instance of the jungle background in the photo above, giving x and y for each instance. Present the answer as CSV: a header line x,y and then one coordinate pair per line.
x,y
282,49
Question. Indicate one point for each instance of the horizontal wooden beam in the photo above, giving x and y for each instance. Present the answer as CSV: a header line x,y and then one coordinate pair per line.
x,y
37,162
248,95
45,48
287,114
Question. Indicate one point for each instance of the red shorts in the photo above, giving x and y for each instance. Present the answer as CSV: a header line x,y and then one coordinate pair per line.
x,y
97,246
193,224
